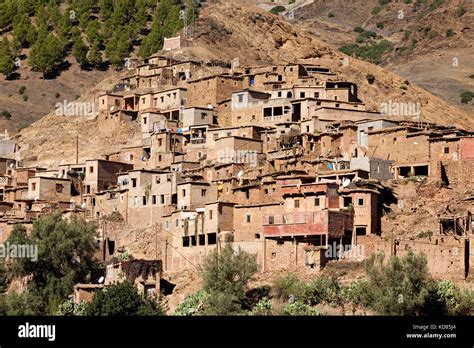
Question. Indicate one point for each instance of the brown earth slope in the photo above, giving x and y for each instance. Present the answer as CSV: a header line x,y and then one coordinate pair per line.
x,y
424,52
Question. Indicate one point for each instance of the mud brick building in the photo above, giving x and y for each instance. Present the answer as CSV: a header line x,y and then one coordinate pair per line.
x,y
282,161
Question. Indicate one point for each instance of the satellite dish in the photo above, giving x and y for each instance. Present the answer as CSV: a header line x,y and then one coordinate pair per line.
x,y
36,198
11,165
239,174
101,280
345,182
83,205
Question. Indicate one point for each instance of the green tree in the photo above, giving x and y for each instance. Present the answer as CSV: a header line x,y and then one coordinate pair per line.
x,y
400,285
122,299
225,277
23,31
54,15
46,53
79,51
165,24
92,31
7,65
117,49
65,257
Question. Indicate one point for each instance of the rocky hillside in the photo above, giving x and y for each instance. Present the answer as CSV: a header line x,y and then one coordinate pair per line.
x,y
432,40
224,29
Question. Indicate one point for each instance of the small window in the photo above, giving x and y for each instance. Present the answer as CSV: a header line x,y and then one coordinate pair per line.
x,y
144,200
271,220
360,201
347,201
240,98
153,199
446,150
144,120
248,218
210,214
157,179
176,222
297,203
134,182
59,188
183,193
302,94
33,186
91,169
162,199
317,202
203,193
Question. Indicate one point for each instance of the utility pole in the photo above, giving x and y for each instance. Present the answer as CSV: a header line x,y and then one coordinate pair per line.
x,y
77,148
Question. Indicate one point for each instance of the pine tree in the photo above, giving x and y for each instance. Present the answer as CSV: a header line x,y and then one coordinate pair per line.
x,y
140,16
7,66
79,51
23,30
46,53
54,16
95,56
165,24
92,31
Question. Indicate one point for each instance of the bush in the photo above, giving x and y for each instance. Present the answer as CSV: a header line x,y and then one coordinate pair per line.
x,y
6,115
21,89
376,10
25,98
460,11
325,289
277,9
193,304
330,14
263,307
466,97
359,29
122,299
298,308
69,308
384,2
444,298
399,286
289,287
57,95
370,78
435,4
380,25
222,303
471,76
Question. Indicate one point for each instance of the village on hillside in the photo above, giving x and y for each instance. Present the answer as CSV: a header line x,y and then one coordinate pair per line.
x,y
281,161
